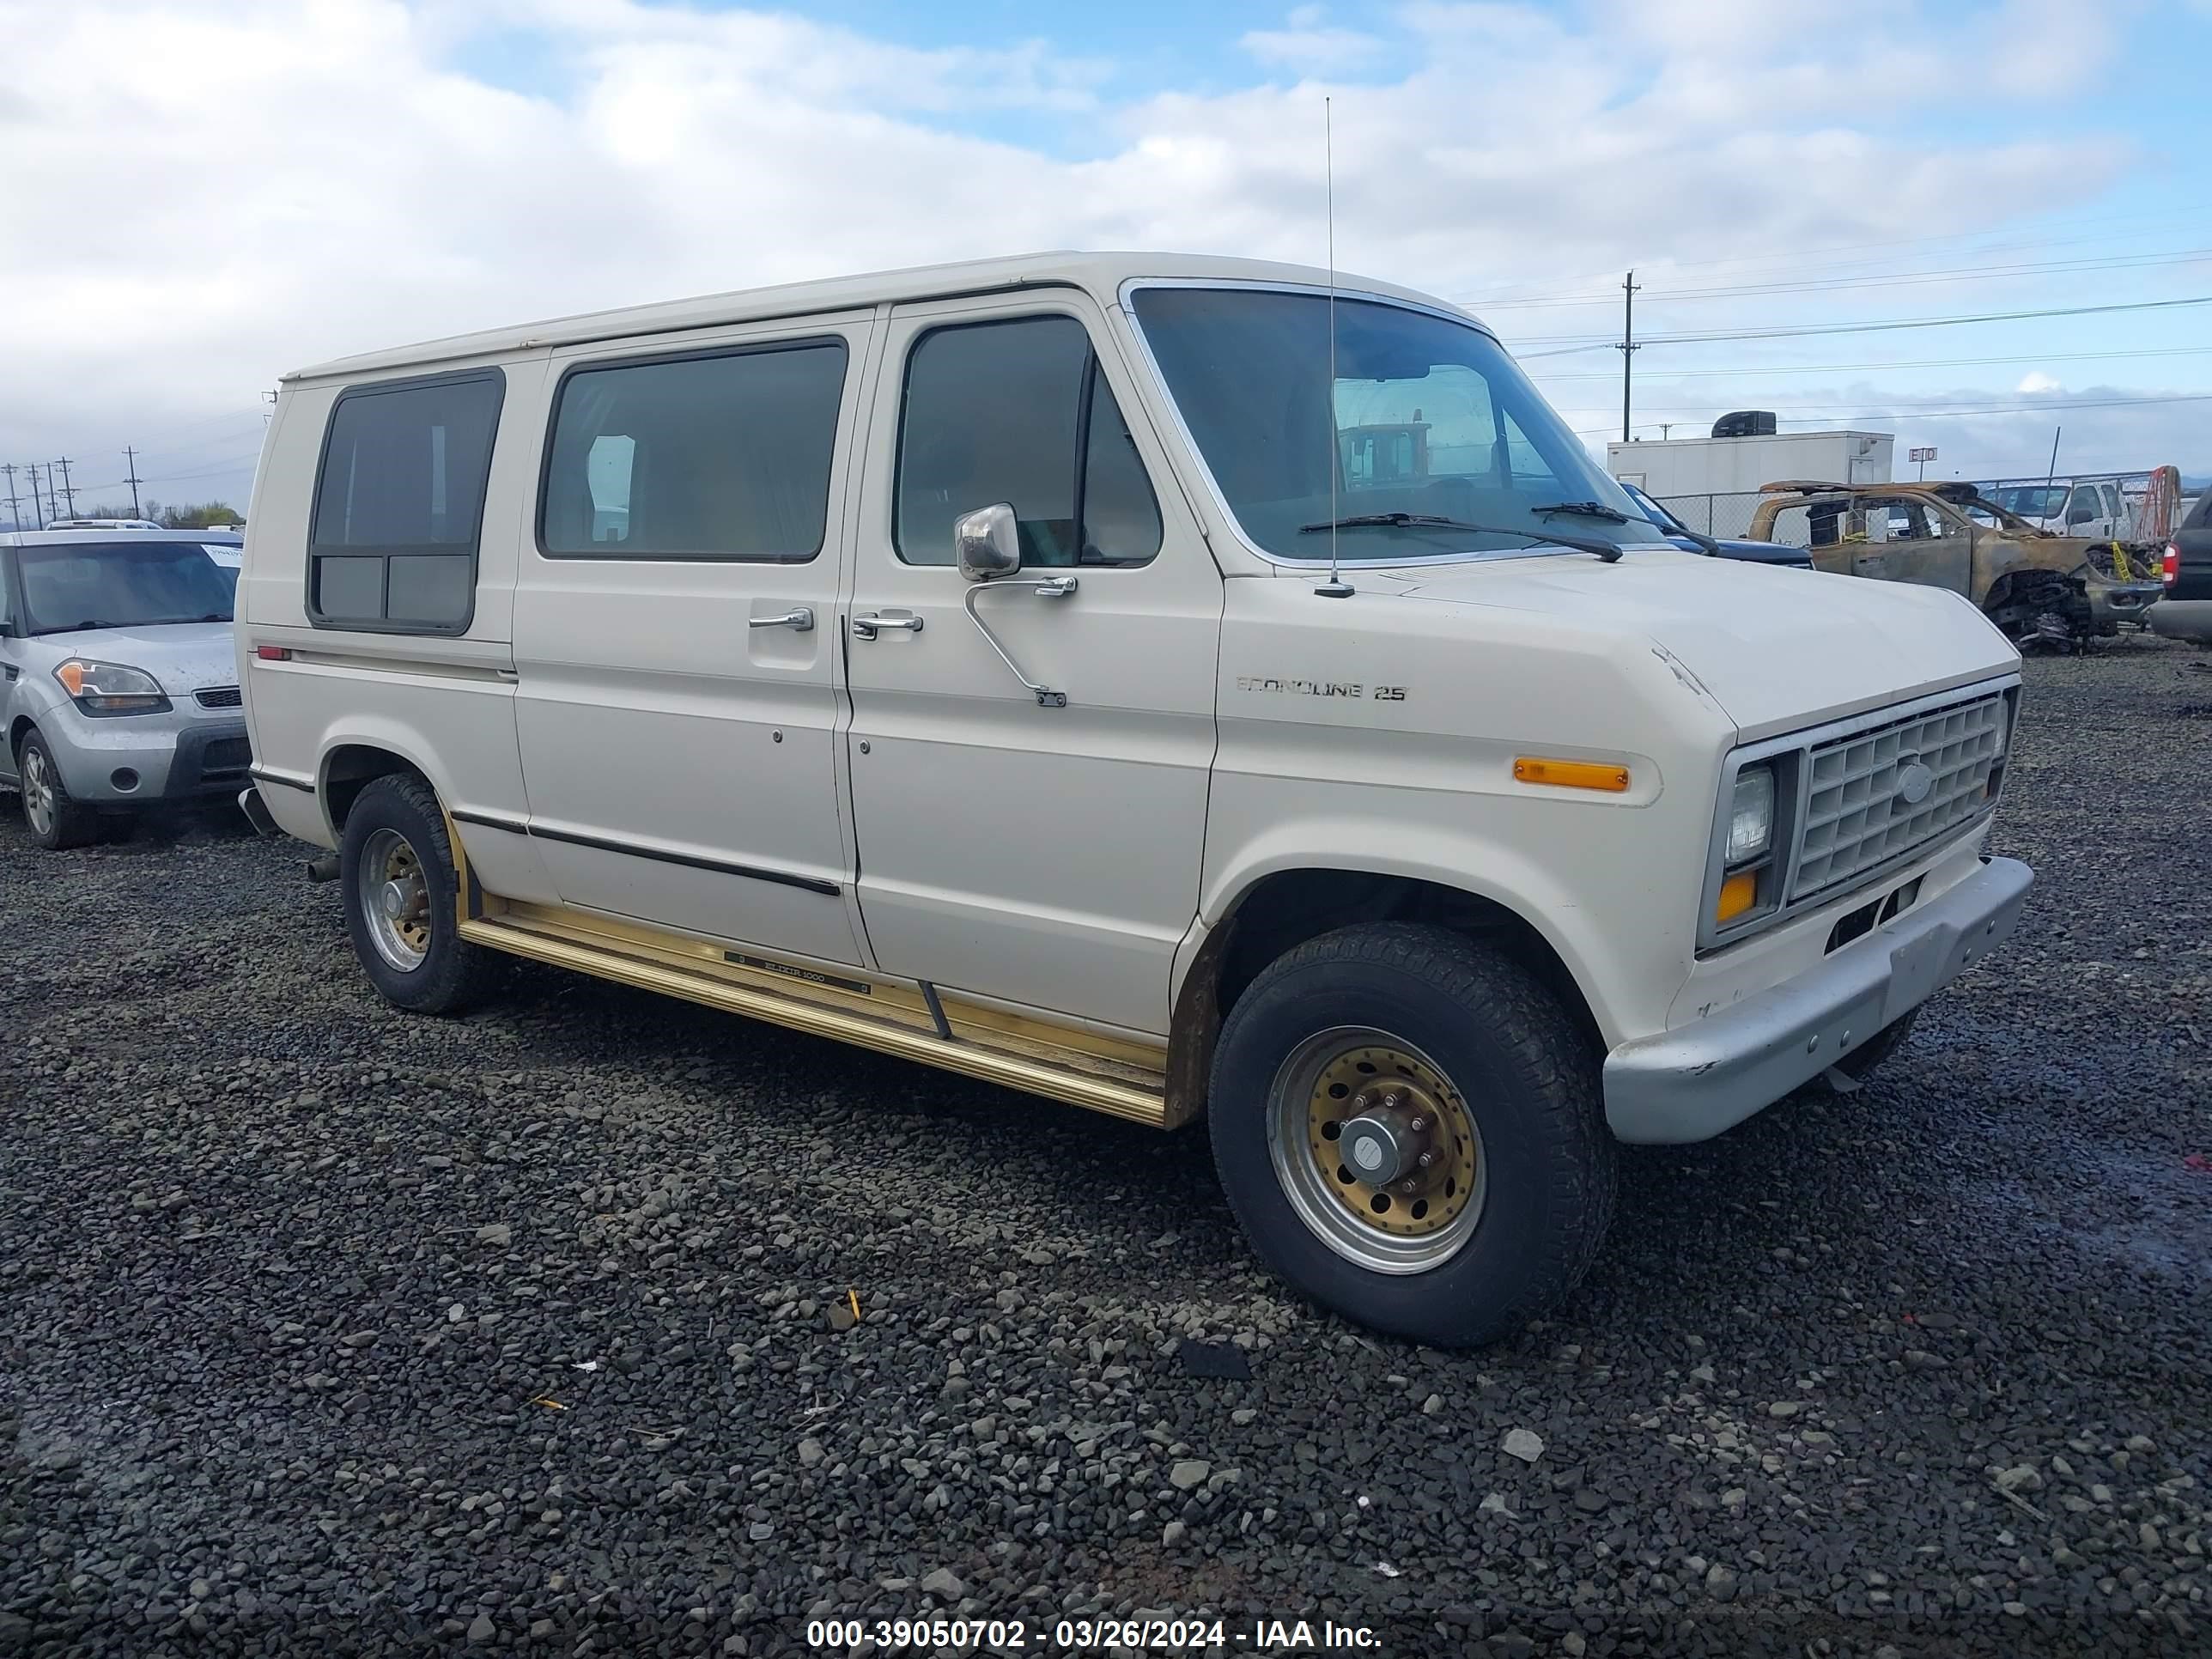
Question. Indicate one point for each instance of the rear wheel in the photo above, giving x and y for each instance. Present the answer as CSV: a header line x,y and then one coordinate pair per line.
x,y
1407,1125
396,870
57,823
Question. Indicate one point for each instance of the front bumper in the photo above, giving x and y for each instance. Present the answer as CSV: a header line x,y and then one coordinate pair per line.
x,y
118,763
1694,1081
2111,603
2181,619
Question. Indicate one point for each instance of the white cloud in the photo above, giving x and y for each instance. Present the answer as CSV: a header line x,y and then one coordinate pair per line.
x,y
1309,45
225,189
2037,381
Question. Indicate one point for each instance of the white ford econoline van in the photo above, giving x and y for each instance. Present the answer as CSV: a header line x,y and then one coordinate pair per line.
x,y
949,662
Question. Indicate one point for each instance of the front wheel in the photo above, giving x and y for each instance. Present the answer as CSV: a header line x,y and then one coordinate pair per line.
x,y
1407,1125
396,869
57,823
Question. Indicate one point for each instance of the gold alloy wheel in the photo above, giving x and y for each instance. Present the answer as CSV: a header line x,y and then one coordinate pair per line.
x,y
395,900
1376,1150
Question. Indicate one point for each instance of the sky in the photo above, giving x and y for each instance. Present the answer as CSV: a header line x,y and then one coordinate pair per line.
x,y
197,196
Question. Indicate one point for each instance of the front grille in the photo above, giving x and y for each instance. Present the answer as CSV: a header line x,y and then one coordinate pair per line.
x,y
1857,818
226,754
219,696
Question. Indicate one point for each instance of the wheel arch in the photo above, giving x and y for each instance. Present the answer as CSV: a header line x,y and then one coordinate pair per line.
x,y
1279,908
352,760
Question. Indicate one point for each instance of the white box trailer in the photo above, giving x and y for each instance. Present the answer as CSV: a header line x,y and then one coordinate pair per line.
x,y
1713,466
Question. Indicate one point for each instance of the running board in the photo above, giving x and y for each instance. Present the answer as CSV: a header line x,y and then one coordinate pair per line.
x,y
903,1018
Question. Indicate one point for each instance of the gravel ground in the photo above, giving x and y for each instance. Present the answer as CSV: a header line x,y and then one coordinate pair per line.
x,y
290,1285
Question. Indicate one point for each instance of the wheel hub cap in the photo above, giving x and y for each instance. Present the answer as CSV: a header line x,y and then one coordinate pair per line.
x,y
1376,1150
1393,1142
395,897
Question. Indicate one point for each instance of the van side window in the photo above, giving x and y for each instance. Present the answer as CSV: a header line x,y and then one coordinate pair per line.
x,y
719,456
399,504
1017,411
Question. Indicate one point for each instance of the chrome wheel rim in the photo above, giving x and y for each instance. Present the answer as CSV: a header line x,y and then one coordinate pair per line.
x,y
37,791
1420,1194
395,899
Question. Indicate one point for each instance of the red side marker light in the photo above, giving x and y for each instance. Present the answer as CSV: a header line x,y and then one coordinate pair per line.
x,y
273,653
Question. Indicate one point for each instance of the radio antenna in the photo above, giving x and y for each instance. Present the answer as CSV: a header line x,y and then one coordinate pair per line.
x,y
1335,587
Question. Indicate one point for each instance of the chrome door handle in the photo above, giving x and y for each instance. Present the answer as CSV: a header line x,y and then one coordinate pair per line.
x,y
864,627
799,619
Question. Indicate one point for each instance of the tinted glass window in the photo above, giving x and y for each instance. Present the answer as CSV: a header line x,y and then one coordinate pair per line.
x,y
122,584
1017,412
1121,514
725,457
400,505
1396,412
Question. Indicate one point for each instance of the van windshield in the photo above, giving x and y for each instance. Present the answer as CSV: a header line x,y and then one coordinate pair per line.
x,y
82,585
1429,418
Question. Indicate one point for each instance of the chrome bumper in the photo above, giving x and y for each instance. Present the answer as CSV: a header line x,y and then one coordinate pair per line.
x,y
1691,1083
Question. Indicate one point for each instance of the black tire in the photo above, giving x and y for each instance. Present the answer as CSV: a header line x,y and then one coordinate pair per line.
x,y
1526,1077
56,821
452,975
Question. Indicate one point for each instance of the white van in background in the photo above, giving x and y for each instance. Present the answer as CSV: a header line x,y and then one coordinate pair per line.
x,y
1007,666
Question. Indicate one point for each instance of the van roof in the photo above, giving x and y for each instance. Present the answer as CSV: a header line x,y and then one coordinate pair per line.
x,y
104,538
1101,274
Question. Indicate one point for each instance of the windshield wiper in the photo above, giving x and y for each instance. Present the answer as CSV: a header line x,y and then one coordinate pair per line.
x,y
1608,551
1582,510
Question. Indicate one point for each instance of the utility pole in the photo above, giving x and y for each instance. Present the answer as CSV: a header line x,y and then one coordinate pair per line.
x,y
1627,347
37,511
15,511
66,489
132,456
53,496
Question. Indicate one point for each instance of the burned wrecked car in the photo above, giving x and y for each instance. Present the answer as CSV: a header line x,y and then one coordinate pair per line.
x,y
2037,587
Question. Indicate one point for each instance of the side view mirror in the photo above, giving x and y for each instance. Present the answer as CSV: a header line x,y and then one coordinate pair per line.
x,y
985,543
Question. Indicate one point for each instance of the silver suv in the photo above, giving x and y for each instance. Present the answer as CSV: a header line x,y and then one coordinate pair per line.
x,y
119,683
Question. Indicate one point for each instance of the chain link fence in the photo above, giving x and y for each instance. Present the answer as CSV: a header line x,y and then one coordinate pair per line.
x,y
1726,515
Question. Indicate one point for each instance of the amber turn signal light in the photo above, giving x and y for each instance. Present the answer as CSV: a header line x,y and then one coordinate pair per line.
x,y
1570,774
1738,893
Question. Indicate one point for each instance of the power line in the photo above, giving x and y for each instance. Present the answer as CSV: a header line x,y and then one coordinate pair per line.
x,y
1794,331
1855,413
1910,362
2067,267
1804,258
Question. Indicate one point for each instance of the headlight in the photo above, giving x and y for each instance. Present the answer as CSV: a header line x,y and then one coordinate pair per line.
x,y
1751,815
108,687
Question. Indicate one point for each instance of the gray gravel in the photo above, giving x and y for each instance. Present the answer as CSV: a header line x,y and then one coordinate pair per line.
x,y
324,1327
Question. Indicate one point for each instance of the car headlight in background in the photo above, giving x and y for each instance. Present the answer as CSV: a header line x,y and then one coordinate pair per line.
x,y
1751,815
109,687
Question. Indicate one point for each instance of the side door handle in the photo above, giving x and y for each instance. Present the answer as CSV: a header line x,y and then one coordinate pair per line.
x,y
799,619
865,628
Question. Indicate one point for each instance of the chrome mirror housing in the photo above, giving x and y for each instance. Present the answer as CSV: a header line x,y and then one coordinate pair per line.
x,y
985,543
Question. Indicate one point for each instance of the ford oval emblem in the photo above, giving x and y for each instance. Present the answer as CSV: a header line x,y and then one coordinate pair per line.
x,y
1914,781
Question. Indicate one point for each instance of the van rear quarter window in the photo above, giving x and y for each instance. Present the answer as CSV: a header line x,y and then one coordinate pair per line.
x,y
399,504
722,455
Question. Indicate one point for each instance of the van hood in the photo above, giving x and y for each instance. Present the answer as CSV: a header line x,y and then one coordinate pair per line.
x,y
1777,649
185,657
